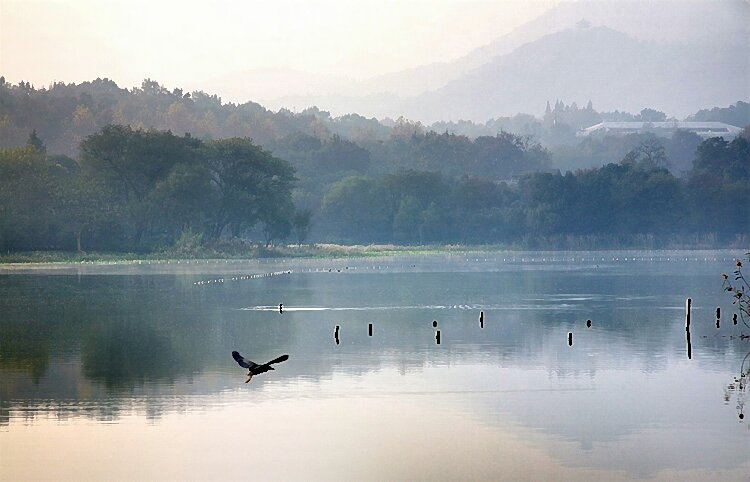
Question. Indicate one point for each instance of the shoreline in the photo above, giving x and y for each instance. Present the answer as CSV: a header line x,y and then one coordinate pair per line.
x,y
54,260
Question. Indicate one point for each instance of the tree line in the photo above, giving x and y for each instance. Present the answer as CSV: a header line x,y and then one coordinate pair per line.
x,y
65,114
135,189
633,201
123,176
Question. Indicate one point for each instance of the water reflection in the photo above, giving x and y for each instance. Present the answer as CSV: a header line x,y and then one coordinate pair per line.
x,y
125,354
623,399
737,388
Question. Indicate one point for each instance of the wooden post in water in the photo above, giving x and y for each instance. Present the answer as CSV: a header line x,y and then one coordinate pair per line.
x,y
588,323
369,329
570,338
437,337
718,316
336,334
481,319
718,313
734,318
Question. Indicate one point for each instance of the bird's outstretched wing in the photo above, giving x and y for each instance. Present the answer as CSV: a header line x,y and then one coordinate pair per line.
x,y
267,366
278,360
241,361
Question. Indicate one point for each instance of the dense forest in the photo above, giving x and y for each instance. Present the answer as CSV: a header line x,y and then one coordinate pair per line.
x,y
64,114
96,167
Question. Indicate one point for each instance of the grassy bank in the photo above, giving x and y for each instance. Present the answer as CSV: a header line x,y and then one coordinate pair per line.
x,y
291,251
246,250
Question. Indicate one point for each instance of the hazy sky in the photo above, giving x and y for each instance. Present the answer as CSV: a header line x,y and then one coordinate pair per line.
x,y
182,43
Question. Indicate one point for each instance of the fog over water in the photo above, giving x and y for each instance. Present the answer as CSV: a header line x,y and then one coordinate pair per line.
x,y
132,356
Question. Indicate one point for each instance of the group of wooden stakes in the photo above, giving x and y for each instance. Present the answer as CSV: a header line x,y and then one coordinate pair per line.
x,y
437,332
570,333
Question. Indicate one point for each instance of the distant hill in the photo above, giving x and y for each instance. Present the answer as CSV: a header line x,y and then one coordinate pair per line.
x,y
674,56
686,21
608,67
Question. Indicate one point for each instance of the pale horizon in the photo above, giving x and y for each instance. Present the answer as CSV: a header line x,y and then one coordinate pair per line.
x,y
185,44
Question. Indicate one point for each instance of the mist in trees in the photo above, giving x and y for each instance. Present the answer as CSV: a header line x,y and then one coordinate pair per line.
x,y
121,186
138,189
142,190
636,197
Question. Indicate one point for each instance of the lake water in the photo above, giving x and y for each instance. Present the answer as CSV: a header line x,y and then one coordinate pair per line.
x,y
124,371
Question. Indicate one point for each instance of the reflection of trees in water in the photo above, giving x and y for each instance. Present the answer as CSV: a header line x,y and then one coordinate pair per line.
x,y
133,330
124,354
37,320
738,387
25,346
46,318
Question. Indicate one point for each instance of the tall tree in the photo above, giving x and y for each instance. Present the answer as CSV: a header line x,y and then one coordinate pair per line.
x,y
250,184
132,163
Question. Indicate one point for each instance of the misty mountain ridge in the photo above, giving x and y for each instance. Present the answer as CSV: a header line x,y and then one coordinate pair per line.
x,y
681,56
605,66
610,68
684,22
667,22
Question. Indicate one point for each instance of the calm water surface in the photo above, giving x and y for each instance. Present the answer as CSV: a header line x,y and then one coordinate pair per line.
x,y
124,371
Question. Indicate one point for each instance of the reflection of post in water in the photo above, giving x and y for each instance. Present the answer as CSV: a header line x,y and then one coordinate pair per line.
x,y
336,334
688,302
738,386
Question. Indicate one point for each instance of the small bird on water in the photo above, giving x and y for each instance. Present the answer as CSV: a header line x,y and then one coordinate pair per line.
x,y
254,368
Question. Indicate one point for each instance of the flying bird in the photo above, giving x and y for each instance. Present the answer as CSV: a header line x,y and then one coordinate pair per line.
x,y
254,368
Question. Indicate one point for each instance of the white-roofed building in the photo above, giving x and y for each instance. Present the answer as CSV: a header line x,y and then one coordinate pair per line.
x,y
664,129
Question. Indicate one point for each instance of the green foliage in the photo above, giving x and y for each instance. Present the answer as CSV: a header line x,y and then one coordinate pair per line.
x,y
719,186
681,149
138,187
142,170
188,243
651,115
251,186
356,209
35,142
25,207
650,154
301,225
142,190
65,114
736,114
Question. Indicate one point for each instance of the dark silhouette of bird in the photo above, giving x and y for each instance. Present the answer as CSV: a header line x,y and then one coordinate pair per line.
x,y
254,368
